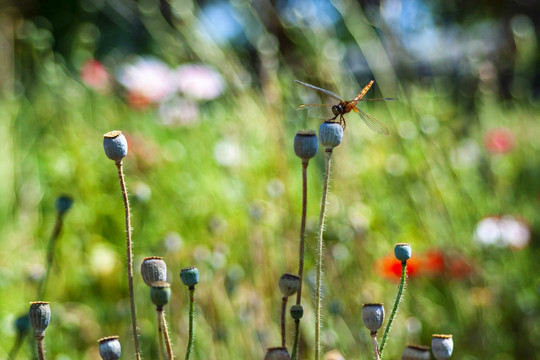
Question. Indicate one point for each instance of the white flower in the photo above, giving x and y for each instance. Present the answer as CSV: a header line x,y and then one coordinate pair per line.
x,y
199,82
149,78
503,231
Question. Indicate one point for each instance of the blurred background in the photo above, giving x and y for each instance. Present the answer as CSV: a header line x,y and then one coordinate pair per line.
x,y
204,93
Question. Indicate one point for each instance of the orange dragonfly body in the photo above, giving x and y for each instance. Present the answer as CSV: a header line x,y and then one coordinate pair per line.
x,y
333,112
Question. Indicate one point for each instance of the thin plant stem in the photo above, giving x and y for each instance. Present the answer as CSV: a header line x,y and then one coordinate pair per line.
x,y
328,155
283,311
129,258
161,346
163,324
50,254
16,346
40,349
375,347
305,163
396,305
191,321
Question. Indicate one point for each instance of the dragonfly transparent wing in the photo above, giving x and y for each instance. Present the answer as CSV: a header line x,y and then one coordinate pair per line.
x,y
322,91
372,123
318,111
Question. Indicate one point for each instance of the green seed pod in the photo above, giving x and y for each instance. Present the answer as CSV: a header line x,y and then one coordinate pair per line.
x,y
305,144
160,293
442,346
189,276
289,284
330,134
373,316
402,251
109,348
297,312
115,145
416,352
277,353
153,269
40,315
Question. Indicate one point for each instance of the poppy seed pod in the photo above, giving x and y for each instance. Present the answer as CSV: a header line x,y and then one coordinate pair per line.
x,y
40,315
160,293
63,204
373,316
189,276
305,144
153,269
402,251
115,145
442,346
330,134
22,324
289,284
297,312
415,352
109,348
277,353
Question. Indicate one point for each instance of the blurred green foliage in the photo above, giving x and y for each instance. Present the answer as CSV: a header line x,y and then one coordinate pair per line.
x,y
429,183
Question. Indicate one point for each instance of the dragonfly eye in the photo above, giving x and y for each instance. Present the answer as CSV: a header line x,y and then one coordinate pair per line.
x,y
337,109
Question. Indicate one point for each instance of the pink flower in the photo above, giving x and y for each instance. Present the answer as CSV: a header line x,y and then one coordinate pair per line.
x,y
147,81
94,74
499,141
199,82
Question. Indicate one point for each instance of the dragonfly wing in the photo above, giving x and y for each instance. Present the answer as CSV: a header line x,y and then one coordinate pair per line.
x,y
317,111
322,91
372,123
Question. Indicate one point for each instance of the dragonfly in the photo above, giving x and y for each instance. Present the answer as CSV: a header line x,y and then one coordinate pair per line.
x,y
332,112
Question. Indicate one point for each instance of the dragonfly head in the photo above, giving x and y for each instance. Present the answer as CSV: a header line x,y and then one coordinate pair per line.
x,y
337,109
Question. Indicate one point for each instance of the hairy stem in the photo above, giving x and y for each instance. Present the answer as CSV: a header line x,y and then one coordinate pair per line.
x,y
328,155
396,305
305,164
161,346
191,321
165,330
129,258
40,349
375,347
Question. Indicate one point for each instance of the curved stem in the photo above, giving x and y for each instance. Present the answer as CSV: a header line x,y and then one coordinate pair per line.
x,y
191,322
50,254
396,305
160,334
318,349
375,347
165,330
129,258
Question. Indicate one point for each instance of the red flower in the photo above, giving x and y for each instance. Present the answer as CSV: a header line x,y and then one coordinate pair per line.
x,y
94,74
499,141
433,262
390,267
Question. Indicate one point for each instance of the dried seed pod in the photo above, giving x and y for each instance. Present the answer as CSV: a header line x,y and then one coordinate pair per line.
x,y
297,312
415,352
40,315
115,145
330,134
373,316
289,284
305,144
402,251
153,269
442,346
277,353
109,348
